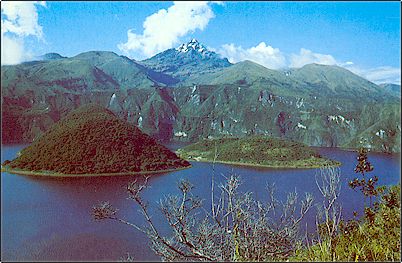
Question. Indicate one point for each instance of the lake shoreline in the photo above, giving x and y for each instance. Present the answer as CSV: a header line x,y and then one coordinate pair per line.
x,y
61,175
348,149
337,164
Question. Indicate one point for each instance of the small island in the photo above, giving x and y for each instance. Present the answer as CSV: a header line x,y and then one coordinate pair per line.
x,y
257,150
92,141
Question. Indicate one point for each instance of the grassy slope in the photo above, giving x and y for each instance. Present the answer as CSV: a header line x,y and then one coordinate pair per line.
x,y
255,151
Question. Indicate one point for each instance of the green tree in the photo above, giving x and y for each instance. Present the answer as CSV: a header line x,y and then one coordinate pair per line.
x,y
367,187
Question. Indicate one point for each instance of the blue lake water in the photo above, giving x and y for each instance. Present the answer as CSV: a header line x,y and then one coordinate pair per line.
x,y
49,219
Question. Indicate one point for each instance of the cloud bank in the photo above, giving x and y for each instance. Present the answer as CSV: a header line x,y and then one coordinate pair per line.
x,y
307,57
163,29
262,54
274,58
20,20
378,75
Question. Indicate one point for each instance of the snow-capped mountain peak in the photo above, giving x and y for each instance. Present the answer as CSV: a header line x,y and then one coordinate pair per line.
x,y
191,57
193,44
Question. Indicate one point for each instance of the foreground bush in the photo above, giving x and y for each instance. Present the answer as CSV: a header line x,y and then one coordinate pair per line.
x,y
376,237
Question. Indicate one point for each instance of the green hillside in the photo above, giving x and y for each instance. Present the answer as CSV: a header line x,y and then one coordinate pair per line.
x,y
311,80
393,89
92,140
337,81
89,71
255,151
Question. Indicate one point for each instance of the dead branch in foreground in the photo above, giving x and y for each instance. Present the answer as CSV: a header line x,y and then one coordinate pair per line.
x,y
237,228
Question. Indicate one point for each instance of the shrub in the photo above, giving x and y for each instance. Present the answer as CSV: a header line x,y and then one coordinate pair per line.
x,y
373,238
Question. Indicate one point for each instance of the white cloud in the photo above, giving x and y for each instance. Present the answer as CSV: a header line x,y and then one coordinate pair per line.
x,y
12,50
164,28
307,57
275,59
262,54
378,75
20,20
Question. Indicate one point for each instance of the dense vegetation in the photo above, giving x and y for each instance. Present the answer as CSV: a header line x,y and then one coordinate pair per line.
x,y
375,237
92,140
255,150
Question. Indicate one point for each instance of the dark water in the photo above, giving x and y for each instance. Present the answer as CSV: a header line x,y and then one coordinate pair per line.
x,y
49,219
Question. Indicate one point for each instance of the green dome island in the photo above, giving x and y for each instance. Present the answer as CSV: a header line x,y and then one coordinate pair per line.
x,y
92,141
256,151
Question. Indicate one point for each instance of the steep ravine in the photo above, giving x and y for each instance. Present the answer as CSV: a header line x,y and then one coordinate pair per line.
x,y
191,113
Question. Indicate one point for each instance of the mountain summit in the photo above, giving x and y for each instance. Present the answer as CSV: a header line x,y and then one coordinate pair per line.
x,y
191,58
192,45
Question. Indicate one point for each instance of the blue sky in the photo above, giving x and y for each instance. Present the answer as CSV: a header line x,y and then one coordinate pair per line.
x,y
361,36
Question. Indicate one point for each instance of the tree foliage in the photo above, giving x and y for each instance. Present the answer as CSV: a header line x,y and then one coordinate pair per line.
x,y
375,237
92,139
367,187
259,150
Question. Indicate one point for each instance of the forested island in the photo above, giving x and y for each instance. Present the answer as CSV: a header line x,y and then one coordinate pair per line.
x,y
92,141
255,151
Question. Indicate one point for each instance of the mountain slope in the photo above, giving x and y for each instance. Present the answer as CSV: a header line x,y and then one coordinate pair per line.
x,y
38,93
242,72
253,75
216,110
125,71
393,89
186,60
337,80
94,70
317,105
312,80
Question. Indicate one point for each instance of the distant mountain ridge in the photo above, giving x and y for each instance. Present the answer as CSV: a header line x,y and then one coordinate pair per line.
x,y
50,56
92,70
313,79
188,93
